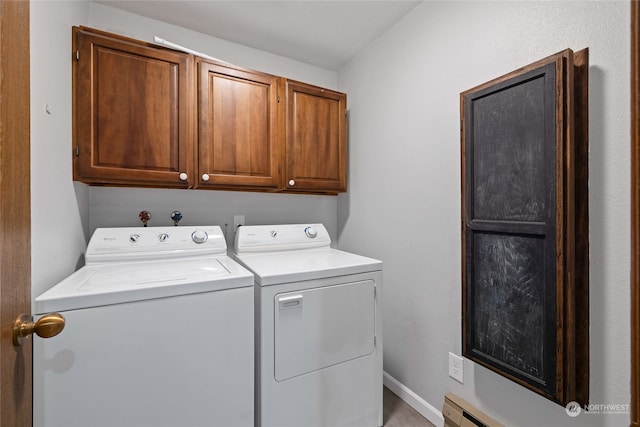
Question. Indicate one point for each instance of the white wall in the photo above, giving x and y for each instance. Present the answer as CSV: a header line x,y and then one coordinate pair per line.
x,y
59,207
405,184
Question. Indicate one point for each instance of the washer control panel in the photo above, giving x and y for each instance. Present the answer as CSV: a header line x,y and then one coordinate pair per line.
x,y
139,243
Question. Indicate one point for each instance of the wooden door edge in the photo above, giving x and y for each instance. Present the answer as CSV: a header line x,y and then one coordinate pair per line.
x,y
635,213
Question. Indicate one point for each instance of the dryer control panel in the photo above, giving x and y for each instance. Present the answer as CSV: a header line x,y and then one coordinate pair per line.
x,y
140,243
283,237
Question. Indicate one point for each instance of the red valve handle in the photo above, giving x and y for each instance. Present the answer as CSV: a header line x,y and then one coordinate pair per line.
x,y
144,217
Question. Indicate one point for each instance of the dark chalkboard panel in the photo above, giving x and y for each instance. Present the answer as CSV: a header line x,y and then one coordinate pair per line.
x,y
512,165
511,297
509,301
511,189
519,216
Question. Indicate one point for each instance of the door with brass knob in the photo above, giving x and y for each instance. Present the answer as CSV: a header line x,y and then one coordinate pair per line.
x,y
47,326
15,221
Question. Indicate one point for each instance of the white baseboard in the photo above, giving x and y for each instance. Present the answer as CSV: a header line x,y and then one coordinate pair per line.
x,y
416,402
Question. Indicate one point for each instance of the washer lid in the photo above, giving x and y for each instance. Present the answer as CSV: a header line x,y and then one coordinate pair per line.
x,y
272,268
115,283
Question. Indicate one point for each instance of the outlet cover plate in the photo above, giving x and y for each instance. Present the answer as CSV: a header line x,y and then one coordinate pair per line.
x,y
456,367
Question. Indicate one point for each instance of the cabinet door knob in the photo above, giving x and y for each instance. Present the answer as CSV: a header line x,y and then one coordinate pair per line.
x,y
183,176
205,177
292,182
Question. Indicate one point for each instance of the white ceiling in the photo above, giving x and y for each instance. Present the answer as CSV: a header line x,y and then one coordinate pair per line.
x,y
325,33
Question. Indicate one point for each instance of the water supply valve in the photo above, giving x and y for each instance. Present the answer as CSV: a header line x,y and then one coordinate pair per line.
x,y
144,216
176,216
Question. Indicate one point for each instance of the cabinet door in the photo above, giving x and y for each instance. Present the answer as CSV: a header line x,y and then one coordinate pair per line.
x,y
525,278
131,112
238,128
316,140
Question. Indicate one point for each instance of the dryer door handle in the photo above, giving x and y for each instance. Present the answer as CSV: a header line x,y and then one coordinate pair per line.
x,y
291,301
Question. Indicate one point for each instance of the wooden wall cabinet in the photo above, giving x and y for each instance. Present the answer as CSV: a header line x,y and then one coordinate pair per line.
x,y
147,116
239,128
316,141
132,112
525,233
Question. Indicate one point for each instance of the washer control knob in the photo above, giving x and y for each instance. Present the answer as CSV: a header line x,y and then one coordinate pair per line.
x,y
134,238
199,236
311,232
163,237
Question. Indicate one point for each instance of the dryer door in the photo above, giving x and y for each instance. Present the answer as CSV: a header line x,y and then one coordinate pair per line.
x,y
321,327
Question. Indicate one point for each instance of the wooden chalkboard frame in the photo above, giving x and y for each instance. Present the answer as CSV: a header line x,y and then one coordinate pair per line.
x,y
525,279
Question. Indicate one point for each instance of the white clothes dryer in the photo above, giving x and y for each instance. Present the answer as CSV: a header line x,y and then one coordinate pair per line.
x,y
318,328
159,332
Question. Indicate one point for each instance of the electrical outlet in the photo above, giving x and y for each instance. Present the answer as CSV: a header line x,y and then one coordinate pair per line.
x,y
238,220
456,367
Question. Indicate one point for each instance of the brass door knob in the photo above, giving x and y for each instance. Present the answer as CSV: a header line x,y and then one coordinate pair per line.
x,y
47,326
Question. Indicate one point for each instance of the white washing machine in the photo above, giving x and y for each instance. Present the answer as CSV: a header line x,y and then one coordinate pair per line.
x,y
159,332
318,328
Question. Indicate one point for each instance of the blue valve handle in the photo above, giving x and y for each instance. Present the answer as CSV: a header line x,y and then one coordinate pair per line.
x,y
176,216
